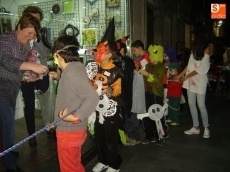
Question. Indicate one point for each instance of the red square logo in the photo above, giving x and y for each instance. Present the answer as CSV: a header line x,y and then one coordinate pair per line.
x,y
218,11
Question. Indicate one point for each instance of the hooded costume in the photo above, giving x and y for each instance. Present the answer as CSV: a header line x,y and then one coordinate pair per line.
x,y
171,54
126,65
156,72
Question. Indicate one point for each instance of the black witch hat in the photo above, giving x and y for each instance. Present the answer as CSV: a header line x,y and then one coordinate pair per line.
x,y
110,32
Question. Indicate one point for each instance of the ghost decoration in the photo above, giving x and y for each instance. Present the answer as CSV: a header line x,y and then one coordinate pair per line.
x,y
106,107
91,69
155,112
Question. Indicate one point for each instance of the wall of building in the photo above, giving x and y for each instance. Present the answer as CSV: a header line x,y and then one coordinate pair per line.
x,y
83,17
168,24
138,20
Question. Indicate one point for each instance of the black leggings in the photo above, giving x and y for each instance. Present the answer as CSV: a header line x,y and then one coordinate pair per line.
x,y
107,141
29,100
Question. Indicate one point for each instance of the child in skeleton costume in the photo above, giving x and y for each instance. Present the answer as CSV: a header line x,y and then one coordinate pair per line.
x,y
174,94
154,94
107,81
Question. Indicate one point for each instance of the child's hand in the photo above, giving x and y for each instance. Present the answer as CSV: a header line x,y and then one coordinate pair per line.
x,y
32,79
143,72
107,91
69,118
53,74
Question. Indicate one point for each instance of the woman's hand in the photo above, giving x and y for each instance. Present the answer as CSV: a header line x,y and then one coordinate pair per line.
x,y
182,79
177,78
69,118
38,68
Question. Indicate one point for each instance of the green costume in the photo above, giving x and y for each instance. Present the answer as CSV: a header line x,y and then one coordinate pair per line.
x,y
156,75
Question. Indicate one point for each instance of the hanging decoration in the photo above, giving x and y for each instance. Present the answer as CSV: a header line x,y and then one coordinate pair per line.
x,y
113,3
68,6
91,2
89,37
56,9
95,14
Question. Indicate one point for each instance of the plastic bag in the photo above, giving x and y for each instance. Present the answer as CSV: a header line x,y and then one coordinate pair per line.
x,y
19,109
47,103
32,57
138,105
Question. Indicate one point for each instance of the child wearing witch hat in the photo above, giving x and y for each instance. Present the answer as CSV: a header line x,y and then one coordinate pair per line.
x,y
174,94
107,81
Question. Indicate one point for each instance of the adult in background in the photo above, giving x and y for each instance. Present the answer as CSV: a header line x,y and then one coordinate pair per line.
x,y
28,88
12,63
226,66
195,80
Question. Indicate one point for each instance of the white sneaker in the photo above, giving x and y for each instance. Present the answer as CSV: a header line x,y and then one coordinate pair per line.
x,y
99,167
192,131
206,133
112,170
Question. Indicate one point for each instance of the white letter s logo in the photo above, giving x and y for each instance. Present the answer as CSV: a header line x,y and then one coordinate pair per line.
x,y
215,8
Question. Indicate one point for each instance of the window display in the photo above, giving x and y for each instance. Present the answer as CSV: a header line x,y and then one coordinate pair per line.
x,y
91,17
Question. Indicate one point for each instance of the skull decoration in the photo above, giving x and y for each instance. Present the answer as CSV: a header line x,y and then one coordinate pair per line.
x,y
155,112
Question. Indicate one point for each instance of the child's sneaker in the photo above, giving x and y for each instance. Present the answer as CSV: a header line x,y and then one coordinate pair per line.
x,y
132,142
168,120
192,131
112,170
174,124
146,141
206,133
127,138
160,142
166,135
99,167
